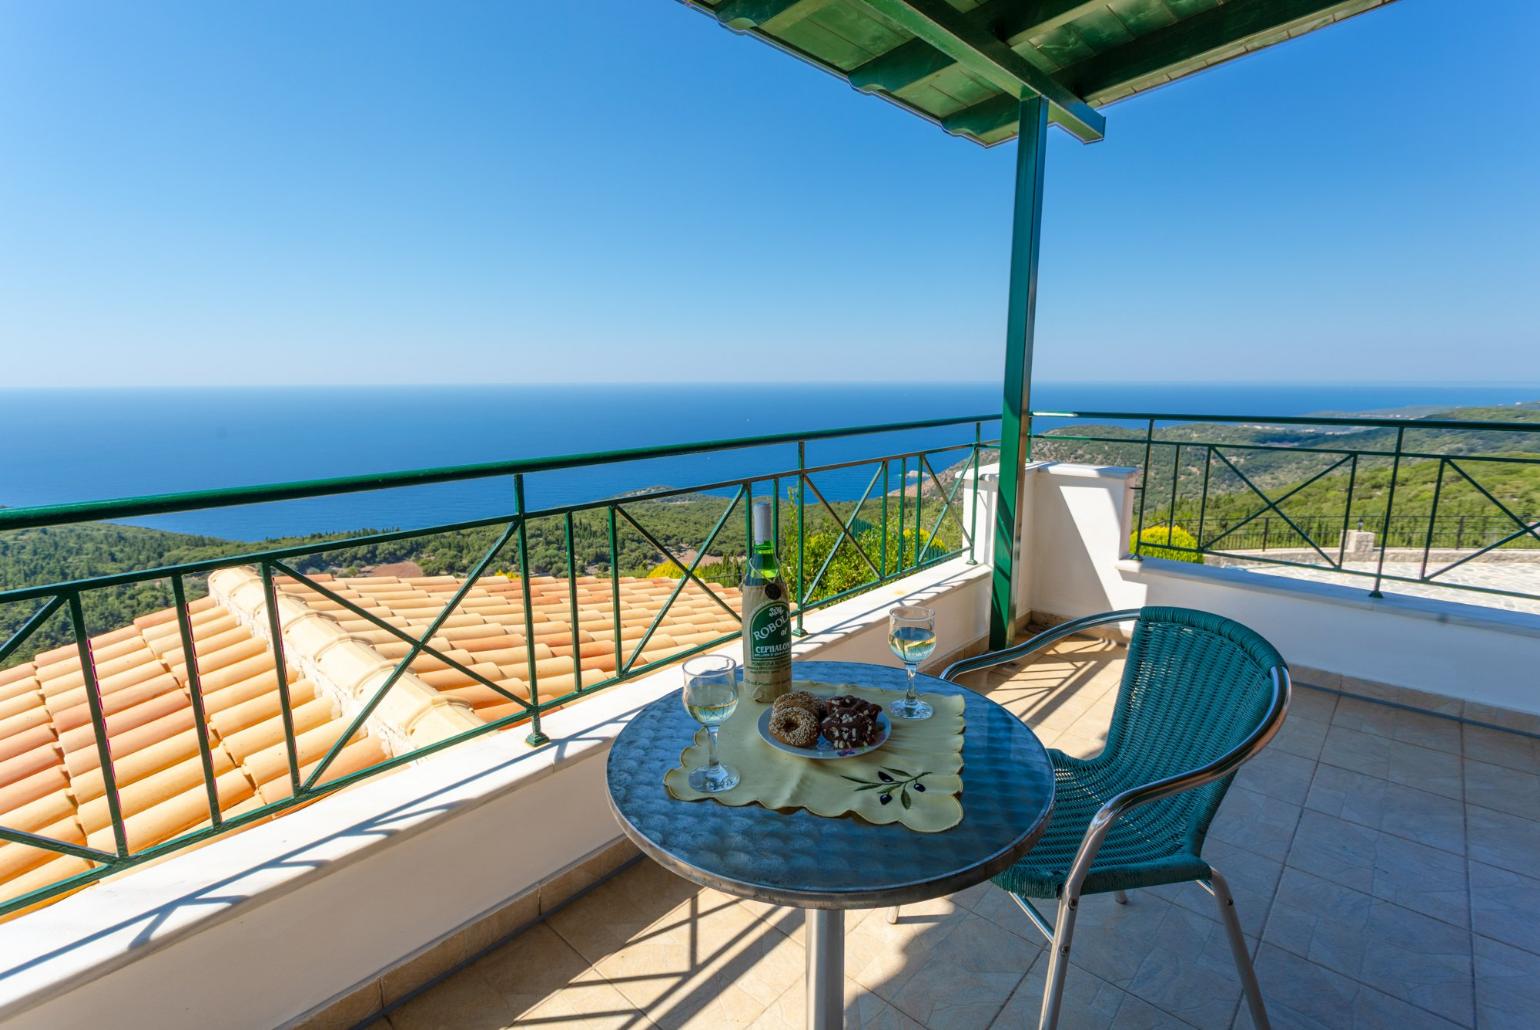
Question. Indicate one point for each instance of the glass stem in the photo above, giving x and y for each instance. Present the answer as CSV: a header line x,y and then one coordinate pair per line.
x,y
711,748
910,695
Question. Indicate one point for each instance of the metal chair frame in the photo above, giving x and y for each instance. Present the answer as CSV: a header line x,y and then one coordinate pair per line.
x,y
1061,932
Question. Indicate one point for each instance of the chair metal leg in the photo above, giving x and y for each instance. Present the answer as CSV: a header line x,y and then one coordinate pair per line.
x,y
1226,901
1121,897
892,915
1058,961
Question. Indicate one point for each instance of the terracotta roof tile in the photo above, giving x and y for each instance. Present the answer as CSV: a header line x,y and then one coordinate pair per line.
x,y
50,779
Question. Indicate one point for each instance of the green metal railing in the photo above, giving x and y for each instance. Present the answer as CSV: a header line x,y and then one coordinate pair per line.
x,y
1373,473
1216,486
922,513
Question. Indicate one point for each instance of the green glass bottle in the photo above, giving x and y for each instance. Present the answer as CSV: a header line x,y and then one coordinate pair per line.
x,y
766,614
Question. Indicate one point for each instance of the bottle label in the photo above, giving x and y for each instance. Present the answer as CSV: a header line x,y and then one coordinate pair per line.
x,y
770,633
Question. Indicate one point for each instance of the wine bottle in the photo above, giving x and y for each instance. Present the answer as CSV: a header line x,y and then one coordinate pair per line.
x,y
766,615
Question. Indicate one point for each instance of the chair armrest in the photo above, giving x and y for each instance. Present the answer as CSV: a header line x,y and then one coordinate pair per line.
x,y
990,659
1102,822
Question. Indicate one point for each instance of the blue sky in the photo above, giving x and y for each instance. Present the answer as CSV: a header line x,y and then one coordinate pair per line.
x,y
621,190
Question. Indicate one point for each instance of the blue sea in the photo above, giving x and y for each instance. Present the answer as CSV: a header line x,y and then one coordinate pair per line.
x,y
77,445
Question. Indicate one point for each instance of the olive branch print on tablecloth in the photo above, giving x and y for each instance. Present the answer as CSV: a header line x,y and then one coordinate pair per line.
x,y
889,779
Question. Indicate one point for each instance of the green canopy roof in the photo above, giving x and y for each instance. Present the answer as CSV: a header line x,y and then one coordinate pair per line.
x,y
965,64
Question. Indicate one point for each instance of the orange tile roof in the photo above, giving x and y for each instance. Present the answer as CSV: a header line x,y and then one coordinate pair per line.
x,y
51,782
486,632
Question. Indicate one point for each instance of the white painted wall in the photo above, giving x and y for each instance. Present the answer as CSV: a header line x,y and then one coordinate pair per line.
x,y
1080,522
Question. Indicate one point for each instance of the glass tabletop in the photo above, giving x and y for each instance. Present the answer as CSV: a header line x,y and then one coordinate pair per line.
x,y
798,858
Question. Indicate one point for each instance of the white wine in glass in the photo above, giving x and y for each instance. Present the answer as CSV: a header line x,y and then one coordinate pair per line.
x,y
710,696
912,637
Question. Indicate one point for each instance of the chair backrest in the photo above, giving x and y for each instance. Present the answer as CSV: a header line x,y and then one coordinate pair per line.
x,y
1196,687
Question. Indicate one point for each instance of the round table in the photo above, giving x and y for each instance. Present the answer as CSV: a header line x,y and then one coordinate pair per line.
x,y
828,865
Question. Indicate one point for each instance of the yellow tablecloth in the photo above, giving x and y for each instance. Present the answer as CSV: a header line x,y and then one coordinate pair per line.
x,y
914,779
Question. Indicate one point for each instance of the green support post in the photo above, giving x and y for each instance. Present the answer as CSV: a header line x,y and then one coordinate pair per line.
x,y
1016,413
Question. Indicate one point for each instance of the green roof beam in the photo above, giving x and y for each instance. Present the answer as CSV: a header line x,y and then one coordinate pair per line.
x,y
1010,20
976,49
751,14
1225,28
982,119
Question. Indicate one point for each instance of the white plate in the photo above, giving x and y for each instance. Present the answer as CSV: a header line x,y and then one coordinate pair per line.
x,y
824,749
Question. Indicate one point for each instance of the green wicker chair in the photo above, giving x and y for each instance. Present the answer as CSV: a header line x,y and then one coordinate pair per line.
x,y
1200,695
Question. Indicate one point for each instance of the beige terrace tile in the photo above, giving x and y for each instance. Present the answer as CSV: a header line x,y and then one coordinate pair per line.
x,y
1190,972
708,962
1501,747
1090,1003
1303,737
863,1011
965,981
1409,727
538,965
1395,950
1301,995
1278,774
1391,868
1506,790
1311,704
1438,822
1507,986
1253,821
1504,906
879,955
1253,880
1503,840
1437,772
462,1002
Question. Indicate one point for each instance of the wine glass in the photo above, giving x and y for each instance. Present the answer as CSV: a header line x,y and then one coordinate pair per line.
x,y
912,636
710,695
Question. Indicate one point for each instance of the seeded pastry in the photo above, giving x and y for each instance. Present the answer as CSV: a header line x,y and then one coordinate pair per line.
x,y
814,706
794,725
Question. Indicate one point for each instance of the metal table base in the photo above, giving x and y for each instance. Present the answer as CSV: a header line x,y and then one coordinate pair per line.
x,y
825,968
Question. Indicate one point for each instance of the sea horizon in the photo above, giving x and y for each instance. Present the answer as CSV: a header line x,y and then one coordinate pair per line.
x,y
91,443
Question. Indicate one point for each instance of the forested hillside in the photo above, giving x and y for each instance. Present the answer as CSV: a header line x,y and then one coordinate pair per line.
x,y
680,525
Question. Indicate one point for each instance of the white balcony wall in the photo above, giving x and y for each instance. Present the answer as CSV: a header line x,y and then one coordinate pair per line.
x,y
1458,658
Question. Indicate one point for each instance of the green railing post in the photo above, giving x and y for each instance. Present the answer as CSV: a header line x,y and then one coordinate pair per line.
x,y
98,725
973,502
281,676
903,502
1144,485
195,697
1390,501
1347,512
886,464
1176,476
1208,461
775,522
1427,543
801,631
536,736
1016,411
919,501
747,489
572,605
620,657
